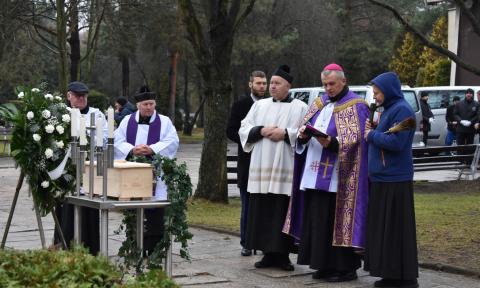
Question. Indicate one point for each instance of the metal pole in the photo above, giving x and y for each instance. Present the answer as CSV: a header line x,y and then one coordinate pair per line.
x,y
77,210
59,228
168,257
92,155
104,232
140,219
12,208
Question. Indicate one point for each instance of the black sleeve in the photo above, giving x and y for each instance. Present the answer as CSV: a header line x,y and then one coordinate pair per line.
x,y
303,141
254,134
234,124
286,138
334,145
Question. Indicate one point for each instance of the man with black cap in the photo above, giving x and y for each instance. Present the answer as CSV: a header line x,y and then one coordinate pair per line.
x,y
427,116
146,133
269,131
466,114
77,96
258,86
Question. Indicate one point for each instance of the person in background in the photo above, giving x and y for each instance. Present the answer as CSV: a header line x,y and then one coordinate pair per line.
x,y
269,132
123,107
258,86
451,122
466,114
391,242
427,116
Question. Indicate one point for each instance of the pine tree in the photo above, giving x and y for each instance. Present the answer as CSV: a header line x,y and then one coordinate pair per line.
x,y
437,67
405,61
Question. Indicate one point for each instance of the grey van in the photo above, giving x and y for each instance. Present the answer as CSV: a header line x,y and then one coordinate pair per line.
x,y
439,98
309,94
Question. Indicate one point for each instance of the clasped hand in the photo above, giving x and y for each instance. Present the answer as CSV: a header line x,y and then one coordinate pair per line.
x,y
142,149
273,133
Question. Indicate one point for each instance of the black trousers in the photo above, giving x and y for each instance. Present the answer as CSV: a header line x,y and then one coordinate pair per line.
x,y
465,138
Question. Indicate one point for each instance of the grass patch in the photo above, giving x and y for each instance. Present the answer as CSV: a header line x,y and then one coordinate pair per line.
x,y
447,214
215,215
197,136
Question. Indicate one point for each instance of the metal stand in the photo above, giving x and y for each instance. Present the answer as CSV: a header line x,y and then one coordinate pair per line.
x,y
12,210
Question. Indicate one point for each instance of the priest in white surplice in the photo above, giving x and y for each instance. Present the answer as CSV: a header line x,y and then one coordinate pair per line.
x,y
269,132
145,133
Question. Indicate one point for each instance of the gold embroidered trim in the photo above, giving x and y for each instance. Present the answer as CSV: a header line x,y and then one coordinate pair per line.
x,y
348,104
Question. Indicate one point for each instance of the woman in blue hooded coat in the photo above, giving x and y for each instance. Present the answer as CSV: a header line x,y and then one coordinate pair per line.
x,y
391,245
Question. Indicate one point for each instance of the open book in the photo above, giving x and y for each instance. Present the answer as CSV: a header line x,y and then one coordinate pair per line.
x,y
312,131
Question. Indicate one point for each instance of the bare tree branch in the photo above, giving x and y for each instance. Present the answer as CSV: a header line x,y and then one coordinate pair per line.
x,y
425,41
244,15
94,38
471,17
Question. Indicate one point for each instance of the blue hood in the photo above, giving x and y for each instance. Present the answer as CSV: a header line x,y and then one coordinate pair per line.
x,y
389,84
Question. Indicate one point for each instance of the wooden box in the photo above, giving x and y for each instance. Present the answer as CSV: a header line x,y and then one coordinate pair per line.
x,y
125,181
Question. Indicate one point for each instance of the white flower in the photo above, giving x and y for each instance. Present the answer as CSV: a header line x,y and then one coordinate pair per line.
x,y
68,108
30,115
66,118
37,137
45,184
20,95
46,114
59,144
49,129
35,90
48,96
48,153
60,129
58,98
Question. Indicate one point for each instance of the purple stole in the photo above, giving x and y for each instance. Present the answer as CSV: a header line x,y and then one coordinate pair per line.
x,y
350,114
154,130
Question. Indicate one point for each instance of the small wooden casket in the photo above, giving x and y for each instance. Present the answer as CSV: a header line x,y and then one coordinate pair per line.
x,y
125,181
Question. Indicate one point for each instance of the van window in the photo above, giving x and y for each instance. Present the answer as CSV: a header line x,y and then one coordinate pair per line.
x,y
362,94
442,98
410,98
302,96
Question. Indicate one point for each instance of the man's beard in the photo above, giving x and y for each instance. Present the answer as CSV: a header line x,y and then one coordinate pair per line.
x,y
256,94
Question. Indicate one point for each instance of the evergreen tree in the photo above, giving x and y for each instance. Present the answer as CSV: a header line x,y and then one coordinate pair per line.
x,y
436,66
406,62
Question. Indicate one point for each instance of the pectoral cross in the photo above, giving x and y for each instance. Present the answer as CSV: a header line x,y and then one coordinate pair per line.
x,y
326,165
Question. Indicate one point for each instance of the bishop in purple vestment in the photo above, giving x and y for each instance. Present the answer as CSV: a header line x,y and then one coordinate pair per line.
x,y
327,212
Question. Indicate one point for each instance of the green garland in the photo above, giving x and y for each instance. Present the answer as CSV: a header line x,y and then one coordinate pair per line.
x,y
179,188
40,140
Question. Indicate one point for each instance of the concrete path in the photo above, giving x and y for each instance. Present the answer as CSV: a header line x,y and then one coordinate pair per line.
x,y
216,260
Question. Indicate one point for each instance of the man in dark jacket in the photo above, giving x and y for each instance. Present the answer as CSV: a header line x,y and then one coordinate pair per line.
x,y
466,114
258,87
451,122
427,116
123,107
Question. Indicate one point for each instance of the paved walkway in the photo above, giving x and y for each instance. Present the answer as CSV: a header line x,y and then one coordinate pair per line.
x,y
216,260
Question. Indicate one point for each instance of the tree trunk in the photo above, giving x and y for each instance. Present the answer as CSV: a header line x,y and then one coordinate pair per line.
x,y
74,42
125,76
186,130
172,84
214,151
201,95
62,46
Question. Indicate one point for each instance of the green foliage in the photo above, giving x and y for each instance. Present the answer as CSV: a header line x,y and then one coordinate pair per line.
x,y
406,62
43,268
436,66
179,189
74,268
98,100
40,136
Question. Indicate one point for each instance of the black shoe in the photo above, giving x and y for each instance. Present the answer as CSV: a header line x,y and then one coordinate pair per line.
x,y
396,283
246,252
267,261
385,283
286,267
343,277
323,274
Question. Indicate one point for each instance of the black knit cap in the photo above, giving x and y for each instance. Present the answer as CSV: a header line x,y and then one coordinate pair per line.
x,y
284,72
144,94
